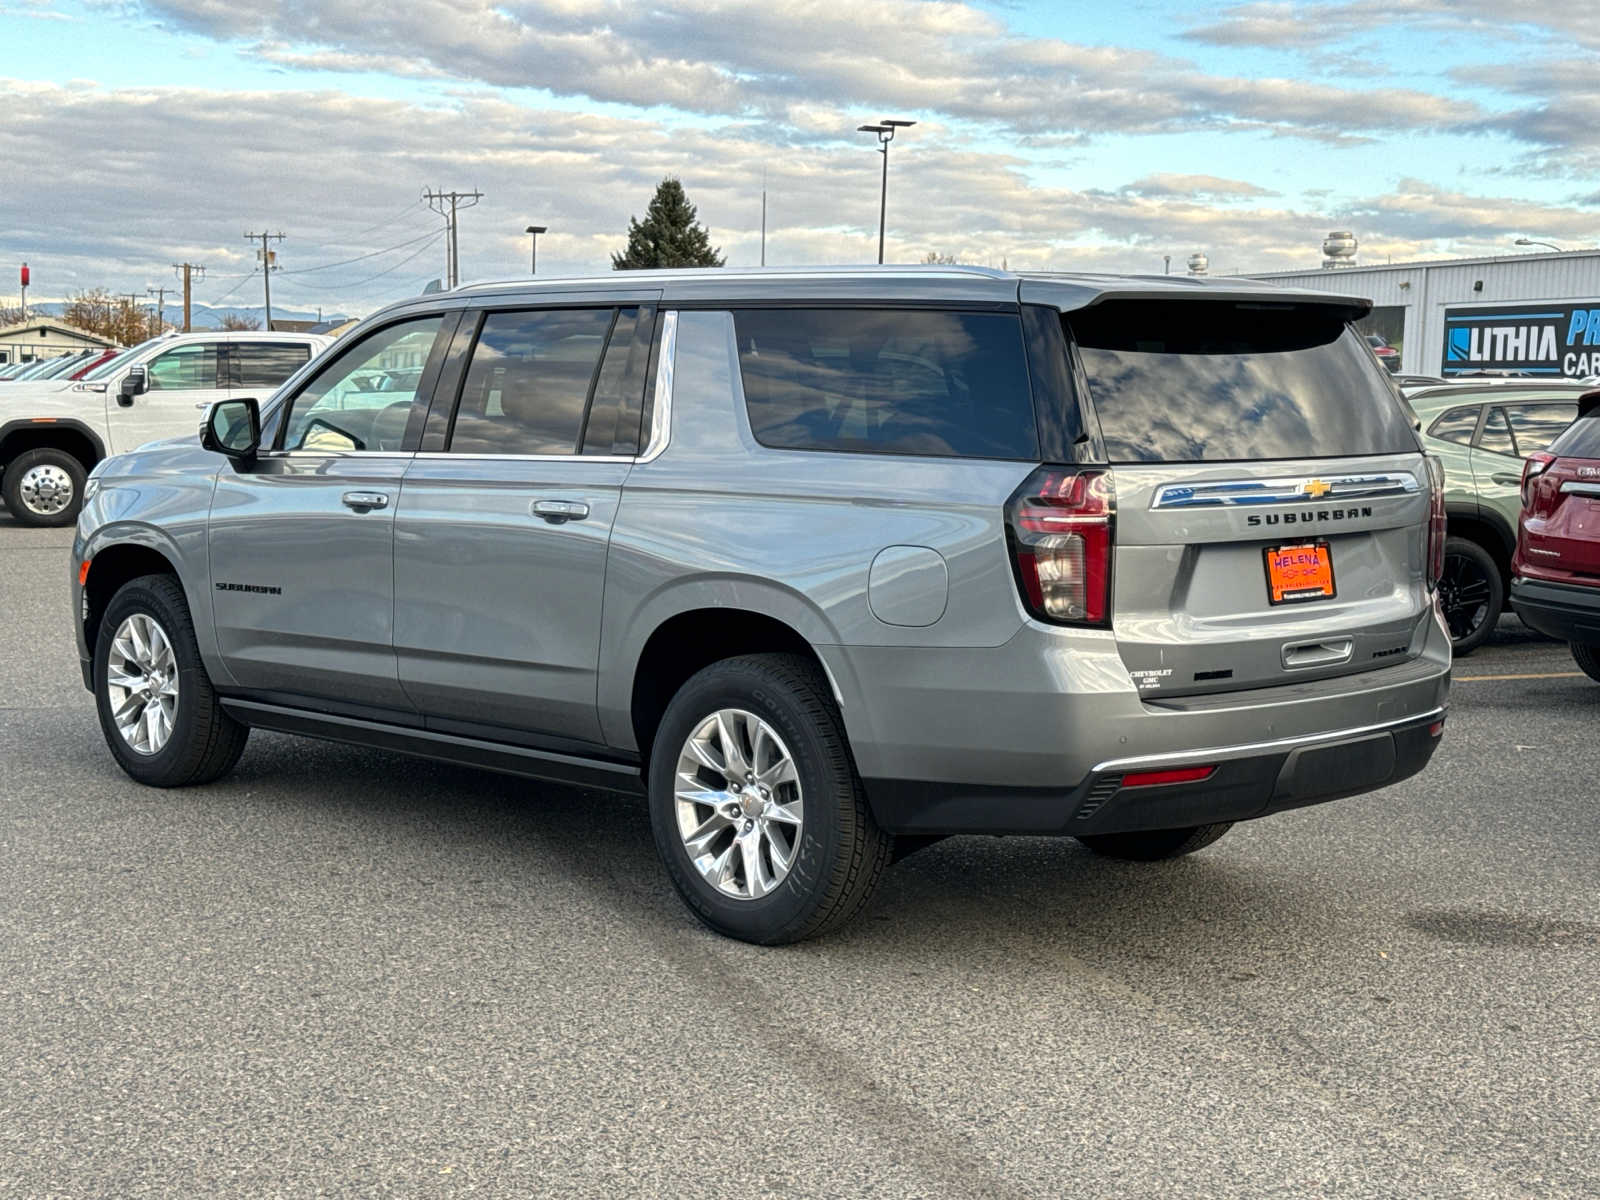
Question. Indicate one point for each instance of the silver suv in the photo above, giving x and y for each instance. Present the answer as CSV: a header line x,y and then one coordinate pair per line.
x,y
827,563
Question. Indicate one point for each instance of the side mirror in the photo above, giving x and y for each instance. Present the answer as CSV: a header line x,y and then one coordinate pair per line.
x,y
134,384
232,427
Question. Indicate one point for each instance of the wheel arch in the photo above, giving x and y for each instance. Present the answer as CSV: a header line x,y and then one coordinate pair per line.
x,y
63,433
689,628
116,558
1487,528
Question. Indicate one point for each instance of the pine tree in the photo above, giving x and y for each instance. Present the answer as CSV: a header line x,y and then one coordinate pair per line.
x,y
669,236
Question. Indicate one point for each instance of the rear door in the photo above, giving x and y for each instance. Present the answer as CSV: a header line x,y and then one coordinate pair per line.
x,y
504,522
1513,429
257,368
1271,496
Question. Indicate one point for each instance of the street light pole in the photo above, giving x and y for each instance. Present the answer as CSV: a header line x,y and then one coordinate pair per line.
x,y
885,131
533,231
1536,242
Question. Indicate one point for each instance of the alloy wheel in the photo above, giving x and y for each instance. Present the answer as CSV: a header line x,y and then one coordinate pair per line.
x,y
142,683
738,804
1464,592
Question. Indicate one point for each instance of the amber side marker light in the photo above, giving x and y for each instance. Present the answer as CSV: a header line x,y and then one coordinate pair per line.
x,y
1175,775
83,573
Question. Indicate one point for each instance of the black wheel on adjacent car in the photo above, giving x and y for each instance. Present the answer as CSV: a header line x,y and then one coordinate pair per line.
x,y
1471,594
1153,845
44,487
158,710
1587,658
755,803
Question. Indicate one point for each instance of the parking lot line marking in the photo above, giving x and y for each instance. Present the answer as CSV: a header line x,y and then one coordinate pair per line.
x,y
1492,678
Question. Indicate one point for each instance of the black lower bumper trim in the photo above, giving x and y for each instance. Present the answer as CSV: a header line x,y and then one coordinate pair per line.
x,y
1563,611
1239,790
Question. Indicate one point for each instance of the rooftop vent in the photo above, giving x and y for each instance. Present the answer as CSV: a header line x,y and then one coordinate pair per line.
x,y
1339,250
1198,262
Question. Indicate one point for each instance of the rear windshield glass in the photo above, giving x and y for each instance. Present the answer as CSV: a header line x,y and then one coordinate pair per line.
x,y
1214,382
1581,440
911,381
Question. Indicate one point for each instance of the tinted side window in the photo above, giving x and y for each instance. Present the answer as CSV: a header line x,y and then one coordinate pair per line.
x,y
264,364
529,381
906,381
613,423
1496,437
184,368
1581,440
1457,425
1537,425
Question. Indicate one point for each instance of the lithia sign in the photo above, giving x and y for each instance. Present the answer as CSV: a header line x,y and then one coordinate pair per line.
x,y
1554,340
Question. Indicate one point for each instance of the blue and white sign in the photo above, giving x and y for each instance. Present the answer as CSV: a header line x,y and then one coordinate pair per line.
x,y
1557,340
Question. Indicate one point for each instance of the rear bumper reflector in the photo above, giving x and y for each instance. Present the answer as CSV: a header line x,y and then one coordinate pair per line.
x,y
1174,775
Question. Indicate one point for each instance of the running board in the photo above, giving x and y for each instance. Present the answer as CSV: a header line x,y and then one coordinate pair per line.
x,y
442,747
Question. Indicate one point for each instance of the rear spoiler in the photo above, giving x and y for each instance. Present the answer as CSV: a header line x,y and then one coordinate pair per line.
x,y
1588,403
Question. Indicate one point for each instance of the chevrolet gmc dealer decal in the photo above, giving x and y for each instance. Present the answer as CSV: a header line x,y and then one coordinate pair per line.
x,y
1537,339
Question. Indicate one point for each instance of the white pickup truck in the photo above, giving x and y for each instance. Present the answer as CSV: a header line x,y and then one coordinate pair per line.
x,y
52,435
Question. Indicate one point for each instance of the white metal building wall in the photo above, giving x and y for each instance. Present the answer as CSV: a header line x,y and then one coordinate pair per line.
x,y
1426,289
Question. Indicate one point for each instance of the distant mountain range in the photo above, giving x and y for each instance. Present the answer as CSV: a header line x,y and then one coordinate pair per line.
x,y
204,316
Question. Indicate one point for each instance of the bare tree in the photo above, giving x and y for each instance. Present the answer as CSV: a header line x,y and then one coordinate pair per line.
x,y
934,258
10,314
114,317
236,324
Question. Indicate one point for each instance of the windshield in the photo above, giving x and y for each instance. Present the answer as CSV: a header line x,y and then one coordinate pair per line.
x,y
1188,381
111,364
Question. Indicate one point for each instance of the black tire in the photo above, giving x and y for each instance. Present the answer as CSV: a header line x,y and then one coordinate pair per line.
x,y
30,514
1472,594
1587,658
205,742
842,853
1153,845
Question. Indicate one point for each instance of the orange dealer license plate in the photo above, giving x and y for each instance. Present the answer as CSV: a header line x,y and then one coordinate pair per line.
x,y
1299,573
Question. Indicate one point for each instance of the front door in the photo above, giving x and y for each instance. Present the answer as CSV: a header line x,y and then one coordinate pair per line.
x,y
501,537
302,539
180,382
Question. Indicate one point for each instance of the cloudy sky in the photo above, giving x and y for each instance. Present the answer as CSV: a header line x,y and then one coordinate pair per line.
x,y
1071,135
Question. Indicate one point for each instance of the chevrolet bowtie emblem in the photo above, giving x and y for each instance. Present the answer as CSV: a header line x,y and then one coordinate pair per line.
x,y
1316,488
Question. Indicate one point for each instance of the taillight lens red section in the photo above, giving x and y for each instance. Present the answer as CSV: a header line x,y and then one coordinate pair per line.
x,y
1061,530
1436,521
1171,775
1535,465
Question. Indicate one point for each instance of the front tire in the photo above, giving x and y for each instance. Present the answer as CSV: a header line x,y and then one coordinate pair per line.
x,y
1472,594
158,710
1155,845
43,488
1587,658
755,804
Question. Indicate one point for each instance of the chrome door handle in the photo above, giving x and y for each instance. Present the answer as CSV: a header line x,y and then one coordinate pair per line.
x,y
366,501
559,511
1503,478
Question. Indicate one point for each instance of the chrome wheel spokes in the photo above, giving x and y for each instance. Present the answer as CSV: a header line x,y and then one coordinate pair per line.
x,y
737,798
142,683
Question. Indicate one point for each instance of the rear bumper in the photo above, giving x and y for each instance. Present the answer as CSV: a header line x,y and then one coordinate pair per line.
x,y
1248,781
1559,610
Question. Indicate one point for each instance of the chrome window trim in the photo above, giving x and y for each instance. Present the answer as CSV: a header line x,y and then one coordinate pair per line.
x,y
334,453
661,404
1246,749
448,456
1236,493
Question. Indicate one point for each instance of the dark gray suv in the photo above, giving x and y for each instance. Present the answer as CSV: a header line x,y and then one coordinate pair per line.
x,y
828,563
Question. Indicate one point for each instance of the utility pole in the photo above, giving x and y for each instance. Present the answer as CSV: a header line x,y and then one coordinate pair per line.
x,y
188,272
438,201
269,264
160,293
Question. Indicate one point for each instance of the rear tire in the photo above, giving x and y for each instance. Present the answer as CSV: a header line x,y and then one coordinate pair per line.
x,y
1588,659
193,740
807,884
1154,845
1472,594
43,488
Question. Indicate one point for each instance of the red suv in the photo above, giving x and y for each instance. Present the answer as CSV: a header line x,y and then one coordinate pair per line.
x,y
1556,572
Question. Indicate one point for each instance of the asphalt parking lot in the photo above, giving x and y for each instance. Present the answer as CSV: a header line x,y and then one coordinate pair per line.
x,y
339,972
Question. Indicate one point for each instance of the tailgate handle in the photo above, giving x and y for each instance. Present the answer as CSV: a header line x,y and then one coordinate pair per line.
x,y
1329,652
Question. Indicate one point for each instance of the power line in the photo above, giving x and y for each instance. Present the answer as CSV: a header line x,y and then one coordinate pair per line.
x,y
432,233
329,287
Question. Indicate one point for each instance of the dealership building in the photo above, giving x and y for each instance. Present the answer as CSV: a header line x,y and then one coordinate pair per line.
x,y
1538,314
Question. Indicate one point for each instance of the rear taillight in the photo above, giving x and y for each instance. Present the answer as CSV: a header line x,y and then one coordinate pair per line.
x,y
1060,526
1436,521
1535,465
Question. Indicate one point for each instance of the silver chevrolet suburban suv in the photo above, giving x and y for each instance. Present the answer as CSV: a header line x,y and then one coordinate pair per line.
x,y
826,563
